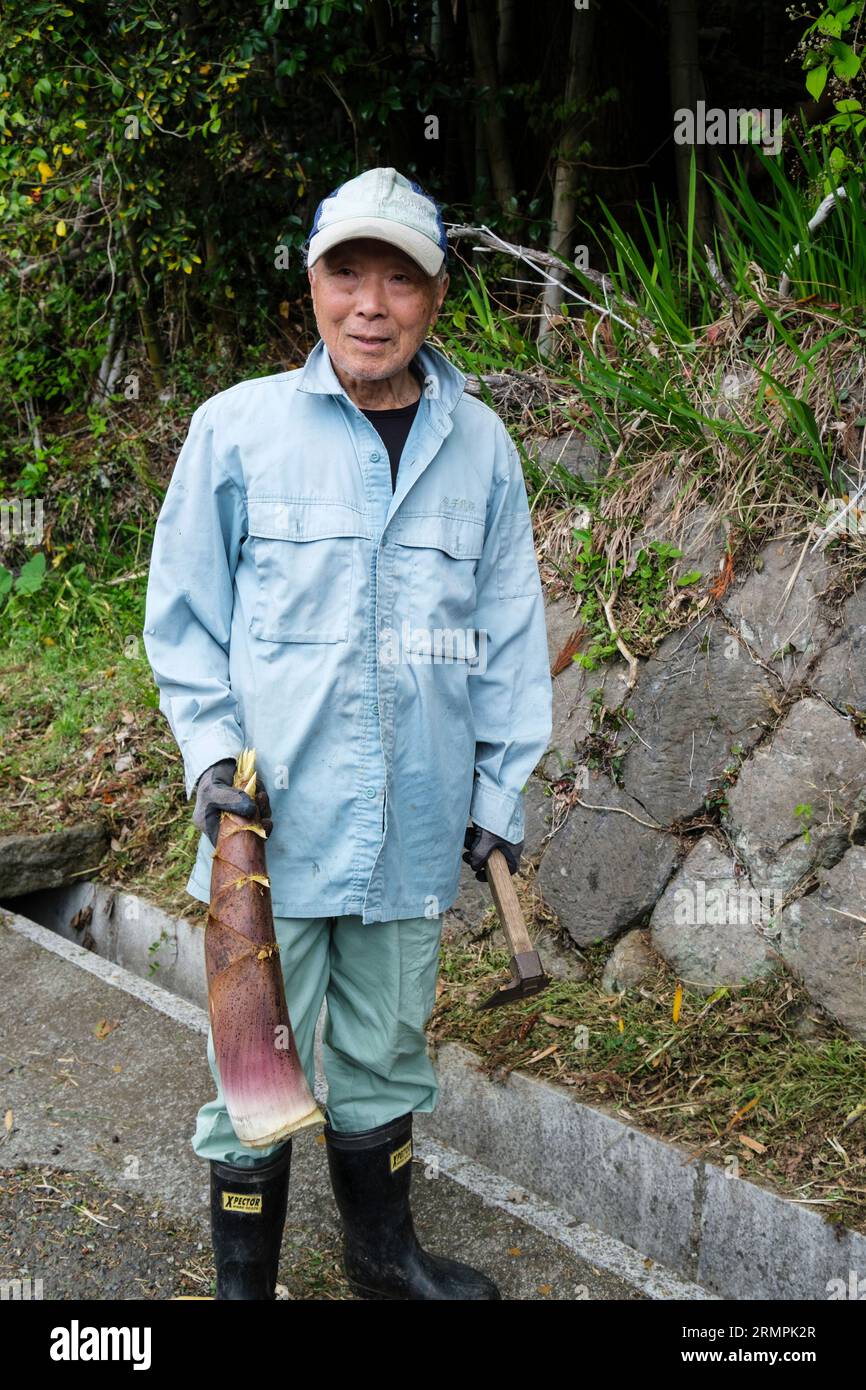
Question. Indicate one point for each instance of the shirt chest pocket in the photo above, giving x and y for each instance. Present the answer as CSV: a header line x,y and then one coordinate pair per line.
x,y
440,555
304,554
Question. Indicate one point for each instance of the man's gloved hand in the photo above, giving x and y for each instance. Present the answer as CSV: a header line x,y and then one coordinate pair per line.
x,y
215,794
479,843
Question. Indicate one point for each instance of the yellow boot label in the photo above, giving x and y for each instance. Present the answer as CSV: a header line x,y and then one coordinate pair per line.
x,y
242,1201
401,1156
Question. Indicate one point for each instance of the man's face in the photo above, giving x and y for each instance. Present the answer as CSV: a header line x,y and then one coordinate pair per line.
x,y
374,306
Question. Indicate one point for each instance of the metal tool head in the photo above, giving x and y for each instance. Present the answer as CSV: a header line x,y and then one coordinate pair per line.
x,y
527,978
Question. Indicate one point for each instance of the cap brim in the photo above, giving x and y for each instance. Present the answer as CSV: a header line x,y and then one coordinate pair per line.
x,y
419,247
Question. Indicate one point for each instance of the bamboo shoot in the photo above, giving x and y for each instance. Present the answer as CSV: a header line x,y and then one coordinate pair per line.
x,y
264,1086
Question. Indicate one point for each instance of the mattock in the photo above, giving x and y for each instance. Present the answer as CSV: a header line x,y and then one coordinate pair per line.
x,y
527,972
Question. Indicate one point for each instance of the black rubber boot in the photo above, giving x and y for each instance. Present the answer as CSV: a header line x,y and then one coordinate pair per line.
x,y
248,1213
371,1173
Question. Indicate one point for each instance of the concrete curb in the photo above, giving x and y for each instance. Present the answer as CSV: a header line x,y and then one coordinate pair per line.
x,y
732,1237
127,930
158,997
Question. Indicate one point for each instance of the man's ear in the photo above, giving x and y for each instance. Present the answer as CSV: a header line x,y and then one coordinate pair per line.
x,y
437,306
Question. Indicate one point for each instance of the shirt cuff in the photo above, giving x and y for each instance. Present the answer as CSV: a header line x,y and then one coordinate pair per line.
x,y
498,812
202,752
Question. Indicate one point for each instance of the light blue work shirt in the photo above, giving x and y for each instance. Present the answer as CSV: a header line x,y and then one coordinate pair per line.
x,y
288,587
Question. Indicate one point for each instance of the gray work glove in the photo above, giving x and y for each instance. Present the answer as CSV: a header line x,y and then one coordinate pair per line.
x,y
479,844
215,794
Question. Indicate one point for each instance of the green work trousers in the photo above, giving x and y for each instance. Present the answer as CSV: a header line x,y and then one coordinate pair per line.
x,y
379,979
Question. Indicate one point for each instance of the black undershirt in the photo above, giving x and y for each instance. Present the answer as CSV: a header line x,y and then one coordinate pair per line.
x,y
393,427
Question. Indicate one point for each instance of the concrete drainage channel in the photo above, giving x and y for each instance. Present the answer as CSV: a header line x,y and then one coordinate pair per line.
x,y
627,1202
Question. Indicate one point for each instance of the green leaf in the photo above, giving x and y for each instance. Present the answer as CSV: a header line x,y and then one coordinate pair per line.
x,y
845,62
32,574
5,580
691,577
837,160
829,24
816,81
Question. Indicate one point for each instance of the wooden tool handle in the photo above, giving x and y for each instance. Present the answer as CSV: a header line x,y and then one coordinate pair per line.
x,y
507,903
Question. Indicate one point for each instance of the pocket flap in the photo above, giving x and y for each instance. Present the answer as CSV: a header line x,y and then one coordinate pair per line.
x,y
305,520
459,536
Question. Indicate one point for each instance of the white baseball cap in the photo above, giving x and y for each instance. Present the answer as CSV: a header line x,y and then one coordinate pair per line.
x,y
382,204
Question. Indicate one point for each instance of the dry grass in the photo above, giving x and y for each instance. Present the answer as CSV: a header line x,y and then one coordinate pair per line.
x,y
758,1079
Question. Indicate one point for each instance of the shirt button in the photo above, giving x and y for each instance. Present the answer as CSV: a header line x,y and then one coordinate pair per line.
x,y
374,458
375,709
370,791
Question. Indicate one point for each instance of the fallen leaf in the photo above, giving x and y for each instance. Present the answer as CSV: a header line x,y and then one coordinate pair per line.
x,y
678,1001
855,1114
725,578
104,1027
564,657
752,1144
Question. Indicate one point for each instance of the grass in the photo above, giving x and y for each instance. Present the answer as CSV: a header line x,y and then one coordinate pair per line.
x,y
82,706
757,1080
694,370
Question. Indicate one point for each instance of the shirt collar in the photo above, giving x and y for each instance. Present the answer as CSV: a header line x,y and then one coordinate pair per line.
x,y
445,383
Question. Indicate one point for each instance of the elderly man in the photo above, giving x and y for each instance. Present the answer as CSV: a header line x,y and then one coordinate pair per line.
x,y
343,577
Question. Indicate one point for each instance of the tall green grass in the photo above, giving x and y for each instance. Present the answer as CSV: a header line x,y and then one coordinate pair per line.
x,y
642,349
